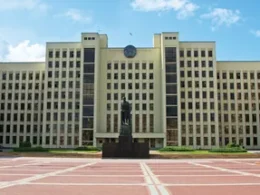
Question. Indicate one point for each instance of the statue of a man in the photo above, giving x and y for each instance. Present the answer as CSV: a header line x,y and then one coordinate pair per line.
x,y
125,112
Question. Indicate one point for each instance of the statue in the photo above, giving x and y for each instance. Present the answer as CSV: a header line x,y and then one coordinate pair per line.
x,y
125,112
126,126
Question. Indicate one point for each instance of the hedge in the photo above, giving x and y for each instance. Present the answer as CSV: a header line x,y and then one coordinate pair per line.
x,y
34,149
176,149
25,144
87,148
228,150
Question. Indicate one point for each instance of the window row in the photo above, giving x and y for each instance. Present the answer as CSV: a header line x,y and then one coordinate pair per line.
x,y
136,76
137,96
196,73
239,117
130,66
62,128
238,75
239,85
15,140
130,86
240,106
63,84
197,84
63,95
198,117
62,105
204,129
137,107
196,63
23,86
64,54
137,119
197,94
22,128
63,64
63,74
21,117
23,76
28,106
238,96
240,129
54,116
198,105
21,106
196,53
21,96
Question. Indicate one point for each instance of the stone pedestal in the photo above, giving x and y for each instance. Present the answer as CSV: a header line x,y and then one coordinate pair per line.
x,y
125,148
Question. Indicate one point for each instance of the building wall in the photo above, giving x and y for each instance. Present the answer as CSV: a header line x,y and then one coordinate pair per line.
x,y
199,118
21,87
137,79
180,95
238,97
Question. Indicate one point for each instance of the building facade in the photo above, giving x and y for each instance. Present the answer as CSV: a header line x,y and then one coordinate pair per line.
x,y
180,95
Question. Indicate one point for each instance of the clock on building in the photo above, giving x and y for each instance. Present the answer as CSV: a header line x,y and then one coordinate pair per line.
x,y
130,51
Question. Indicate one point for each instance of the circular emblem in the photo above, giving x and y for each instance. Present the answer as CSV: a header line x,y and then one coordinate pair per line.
x,y
130,51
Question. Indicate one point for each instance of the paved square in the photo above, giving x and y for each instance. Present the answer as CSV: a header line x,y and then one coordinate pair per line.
x,y
44,176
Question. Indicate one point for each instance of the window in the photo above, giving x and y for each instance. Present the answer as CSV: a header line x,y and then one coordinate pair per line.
x,y
203,53
210,53
89,54
57,54
196,53
50,54
88,110
170,54
189,53
78,54
109,66
171,111
151,66
123,66
181,53
171,78
171,68
89,68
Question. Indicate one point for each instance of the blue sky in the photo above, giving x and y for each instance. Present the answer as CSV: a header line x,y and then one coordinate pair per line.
x,y
26,25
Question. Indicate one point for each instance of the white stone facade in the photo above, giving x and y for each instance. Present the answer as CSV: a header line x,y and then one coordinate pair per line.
x,y
180,95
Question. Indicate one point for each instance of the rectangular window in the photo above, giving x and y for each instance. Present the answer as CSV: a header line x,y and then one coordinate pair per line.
x,y
89,68
170,54
89,54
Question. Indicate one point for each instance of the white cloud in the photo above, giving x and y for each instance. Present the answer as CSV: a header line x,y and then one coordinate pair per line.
x,y
221,16
3,49
255,32
22,52
78,16
184,8
7,5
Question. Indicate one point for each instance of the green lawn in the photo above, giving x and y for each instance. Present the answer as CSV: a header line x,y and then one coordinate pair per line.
x,y
200,152
63,151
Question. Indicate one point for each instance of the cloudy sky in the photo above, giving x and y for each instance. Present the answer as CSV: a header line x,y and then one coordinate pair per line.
x,y
26,25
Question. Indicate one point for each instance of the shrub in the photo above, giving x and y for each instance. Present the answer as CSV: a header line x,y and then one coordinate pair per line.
x,y
176,149
87,148
228,150
233,145
34,149
25,144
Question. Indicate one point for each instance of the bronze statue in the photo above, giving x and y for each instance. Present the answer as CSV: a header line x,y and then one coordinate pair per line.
x,y
125,112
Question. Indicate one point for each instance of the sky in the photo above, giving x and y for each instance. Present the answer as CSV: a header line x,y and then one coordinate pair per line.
x,y
26,25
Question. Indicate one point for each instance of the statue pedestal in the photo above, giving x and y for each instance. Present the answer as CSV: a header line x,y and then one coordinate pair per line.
x,y
125,148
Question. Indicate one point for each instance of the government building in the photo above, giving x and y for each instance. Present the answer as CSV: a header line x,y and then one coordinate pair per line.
x,y
179,93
